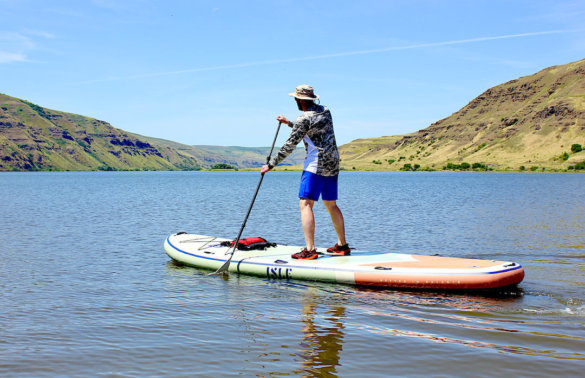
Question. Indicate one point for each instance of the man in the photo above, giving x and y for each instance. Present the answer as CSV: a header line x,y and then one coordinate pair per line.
x,y
315,127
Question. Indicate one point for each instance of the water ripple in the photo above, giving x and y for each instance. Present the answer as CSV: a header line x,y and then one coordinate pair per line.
x,y
87,289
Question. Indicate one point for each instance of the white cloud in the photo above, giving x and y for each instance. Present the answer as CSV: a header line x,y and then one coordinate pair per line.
x,y
16,40
7,57
16,46
39,33
335,55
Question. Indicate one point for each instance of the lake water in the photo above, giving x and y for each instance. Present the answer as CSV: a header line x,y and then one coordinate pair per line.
x,y
87,289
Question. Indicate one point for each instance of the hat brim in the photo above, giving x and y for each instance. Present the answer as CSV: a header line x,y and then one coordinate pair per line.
x,y
303,97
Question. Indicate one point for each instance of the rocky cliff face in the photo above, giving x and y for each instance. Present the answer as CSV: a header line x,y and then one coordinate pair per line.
x,y
35,138
530,121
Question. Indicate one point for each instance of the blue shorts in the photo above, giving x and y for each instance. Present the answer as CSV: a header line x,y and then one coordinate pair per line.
x,y
313,186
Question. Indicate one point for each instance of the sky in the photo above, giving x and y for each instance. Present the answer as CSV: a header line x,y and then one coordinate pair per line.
x,y
218,72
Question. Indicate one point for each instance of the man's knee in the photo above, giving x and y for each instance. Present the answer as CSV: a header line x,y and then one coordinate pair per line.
x,y
330,205
304,203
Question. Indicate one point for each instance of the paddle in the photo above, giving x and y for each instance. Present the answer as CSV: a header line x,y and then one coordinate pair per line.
x,y
226,265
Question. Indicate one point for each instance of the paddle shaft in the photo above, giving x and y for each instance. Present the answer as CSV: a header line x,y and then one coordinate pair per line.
x,y
226,265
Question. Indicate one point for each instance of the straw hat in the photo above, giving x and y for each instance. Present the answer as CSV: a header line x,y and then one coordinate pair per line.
x,y
304,92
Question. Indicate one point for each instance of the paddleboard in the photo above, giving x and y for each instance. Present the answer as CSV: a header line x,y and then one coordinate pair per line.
x,y
391,270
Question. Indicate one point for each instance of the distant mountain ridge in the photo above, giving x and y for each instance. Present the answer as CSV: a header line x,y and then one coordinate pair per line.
x,y
253,157
240,157
529,122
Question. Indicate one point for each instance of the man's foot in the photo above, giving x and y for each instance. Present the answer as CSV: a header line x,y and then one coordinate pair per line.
x,y
305,255
339,250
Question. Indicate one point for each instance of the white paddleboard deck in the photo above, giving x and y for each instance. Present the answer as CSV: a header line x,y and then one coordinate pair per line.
x,y
393,270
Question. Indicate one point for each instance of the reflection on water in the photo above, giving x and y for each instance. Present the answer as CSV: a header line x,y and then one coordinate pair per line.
x,y
321,346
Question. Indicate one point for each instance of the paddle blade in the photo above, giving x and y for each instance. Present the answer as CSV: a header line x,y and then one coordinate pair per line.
x,y
224,267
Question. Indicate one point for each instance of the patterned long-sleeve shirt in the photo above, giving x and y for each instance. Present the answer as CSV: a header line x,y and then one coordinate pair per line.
x,y
315,127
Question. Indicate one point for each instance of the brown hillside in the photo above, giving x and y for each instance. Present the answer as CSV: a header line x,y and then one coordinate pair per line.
x,y
528,122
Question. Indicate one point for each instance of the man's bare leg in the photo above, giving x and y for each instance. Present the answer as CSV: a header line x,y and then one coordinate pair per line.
x,y
337,219
308,221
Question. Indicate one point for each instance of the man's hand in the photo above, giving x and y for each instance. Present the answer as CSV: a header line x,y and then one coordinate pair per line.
x,y
265,168
282,119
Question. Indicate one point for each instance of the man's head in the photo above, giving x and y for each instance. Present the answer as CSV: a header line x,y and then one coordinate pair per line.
x,y
304,92
304,96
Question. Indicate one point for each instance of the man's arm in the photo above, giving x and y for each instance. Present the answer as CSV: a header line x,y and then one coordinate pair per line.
x,y
299,129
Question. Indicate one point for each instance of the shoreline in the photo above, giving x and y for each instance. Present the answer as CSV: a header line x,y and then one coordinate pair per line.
x,y
541,171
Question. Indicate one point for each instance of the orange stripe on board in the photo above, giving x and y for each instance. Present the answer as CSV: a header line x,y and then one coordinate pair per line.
x,y
471,281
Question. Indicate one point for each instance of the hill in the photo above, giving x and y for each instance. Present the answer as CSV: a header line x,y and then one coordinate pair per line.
x,y
254,157
36,138
240,157
528,123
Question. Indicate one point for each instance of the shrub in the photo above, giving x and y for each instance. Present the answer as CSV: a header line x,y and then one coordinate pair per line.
x,y
522,168
576,148
463,166
534,168
410,167
564,156
479,166
223,166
